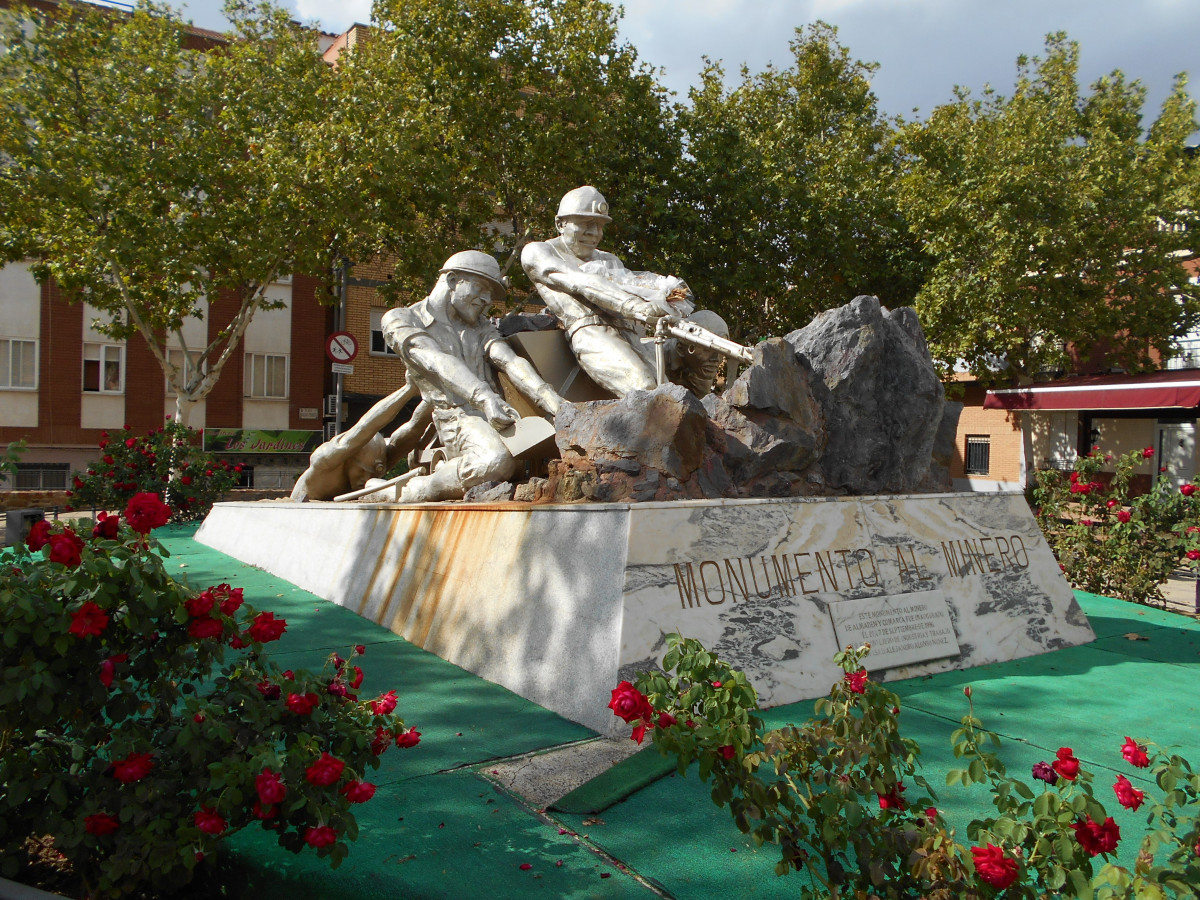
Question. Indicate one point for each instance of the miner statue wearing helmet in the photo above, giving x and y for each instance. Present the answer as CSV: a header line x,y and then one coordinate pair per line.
x,y
452,352
604,308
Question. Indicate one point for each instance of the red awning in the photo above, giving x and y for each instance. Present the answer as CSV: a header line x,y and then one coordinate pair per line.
x,y
1179,388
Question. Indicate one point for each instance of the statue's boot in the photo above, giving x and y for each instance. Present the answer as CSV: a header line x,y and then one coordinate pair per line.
x,y
444,484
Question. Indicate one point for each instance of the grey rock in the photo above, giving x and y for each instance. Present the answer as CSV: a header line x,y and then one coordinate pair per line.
x,y
773,416
662,429
944,448
887,400
490,492
528,491
515,323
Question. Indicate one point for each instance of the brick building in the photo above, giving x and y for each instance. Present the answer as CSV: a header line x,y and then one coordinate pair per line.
x,y
1005,435
62,383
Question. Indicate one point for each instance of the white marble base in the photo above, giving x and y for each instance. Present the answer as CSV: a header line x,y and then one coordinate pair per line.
x,y
559,602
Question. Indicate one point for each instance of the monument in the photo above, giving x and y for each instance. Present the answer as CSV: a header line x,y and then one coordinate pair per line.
x,y
803,508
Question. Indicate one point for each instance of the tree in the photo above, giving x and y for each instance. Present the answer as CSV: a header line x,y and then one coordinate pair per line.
x,y
1049,221
159,180
784,197
468,121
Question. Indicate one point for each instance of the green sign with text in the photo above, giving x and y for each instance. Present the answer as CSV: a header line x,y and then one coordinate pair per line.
x,y
240,440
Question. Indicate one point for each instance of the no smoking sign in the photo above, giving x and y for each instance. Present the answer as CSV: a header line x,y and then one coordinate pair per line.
x,y
341,347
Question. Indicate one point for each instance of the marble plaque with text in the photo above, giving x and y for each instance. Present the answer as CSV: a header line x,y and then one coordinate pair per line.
x,y
901,629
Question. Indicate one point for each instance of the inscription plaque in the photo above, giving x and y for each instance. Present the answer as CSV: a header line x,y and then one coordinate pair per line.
x,y
901,629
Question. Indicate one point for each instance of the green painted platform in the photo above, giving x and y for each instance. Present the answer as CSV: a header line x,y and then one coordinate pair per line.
x,y
437,829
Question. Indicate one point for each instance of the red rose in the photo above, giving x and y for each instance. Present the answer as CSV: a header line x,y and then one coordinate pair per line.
x,y
892,799
302,704
1193,555
100,824
268,690
409,738
666,720
203,627
107,670
1148,453
130,442
146,512
270,787
728,751
629,703
639,731
1127,795
39,535
357,680
209,821
360,649
264,812
134,767
66,547
358,791
289,675
993,867
237,642
384,705
1067,766
325,771
266,628
230,597
1124,515
856,682
88,621
1095,838
202,604
1134,754
185,480
1187,489
106,526
381,741
320,836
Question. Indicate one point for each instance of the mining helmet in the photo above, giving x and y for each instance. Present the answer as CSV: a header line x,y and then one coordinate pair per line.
x,y
476,262
584,201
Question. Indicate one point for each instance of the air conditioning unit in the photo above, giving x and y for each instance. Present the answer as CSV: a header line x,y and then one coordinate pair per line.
x,y
331,406
330,431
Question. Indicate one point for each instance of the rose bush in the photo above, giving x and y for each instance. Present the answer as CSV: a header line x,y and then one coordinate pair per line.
x,y
1110,542
169,460
134,735
835,794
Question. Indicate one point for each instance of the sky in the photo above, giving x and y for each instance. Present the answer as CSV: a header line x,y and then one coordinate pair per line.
x,y
924,47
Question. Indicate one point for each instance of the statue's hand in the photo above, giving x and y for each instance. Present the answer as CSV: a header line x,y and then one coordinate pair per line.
x,y
498,413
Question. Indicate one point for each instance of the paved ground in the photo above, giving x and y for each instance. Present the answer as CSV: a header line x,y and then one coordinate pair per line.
x,y
447,821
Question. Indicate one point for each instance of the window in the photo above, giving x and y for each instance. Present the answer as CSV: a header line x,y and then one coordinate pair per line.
x,y
18,363
266,376
379,347
104,368
41,476
175,357
979,454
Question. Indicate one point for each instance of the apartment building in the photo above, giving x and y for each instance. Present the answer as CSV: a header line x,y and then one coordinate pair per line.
x,y
62,383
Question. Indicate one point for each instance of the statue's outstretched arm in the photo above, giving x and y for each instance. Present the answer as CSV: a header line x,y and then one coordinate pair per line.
x,y
524,377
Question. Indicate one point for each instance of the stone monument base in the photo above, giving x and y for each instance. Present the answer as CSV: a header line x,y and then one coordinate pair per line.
x,y
560,602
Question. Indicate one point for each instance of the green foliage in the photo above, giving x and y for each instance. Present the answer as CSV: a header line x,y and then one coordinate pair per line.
x,y
1110,543
1040,829
8,462
127,728
1042,214
169,460
830,794
784,199
460,121
161,182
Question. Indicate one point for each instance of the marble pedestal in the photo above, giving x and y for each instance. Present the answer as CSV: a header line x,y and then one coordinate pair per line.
x,y
559,602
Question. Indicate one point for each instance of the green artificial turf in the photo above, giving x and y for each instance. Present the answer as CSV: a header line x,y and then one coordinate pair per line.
x,y
436,829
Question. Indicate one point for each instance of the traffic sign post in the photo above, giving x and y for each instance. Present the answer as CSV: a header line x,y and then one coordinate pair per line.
x,y
341,347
